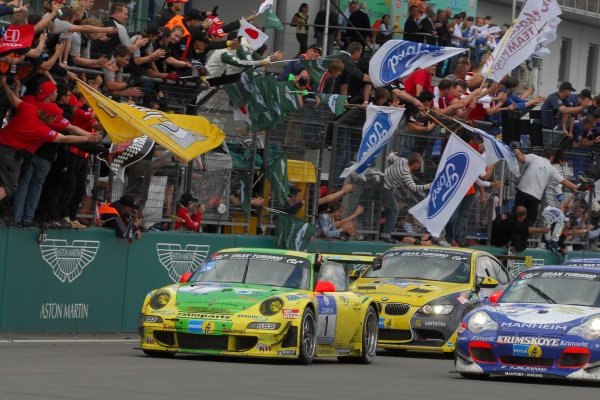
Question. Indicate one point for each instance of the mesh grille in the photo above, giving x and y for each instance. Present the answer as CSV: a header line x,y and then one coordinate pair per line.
x,y
396,308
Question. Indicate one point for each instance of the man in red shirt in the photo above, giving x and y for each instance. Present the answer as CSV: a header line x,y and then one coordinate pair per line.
x,y
419,80
189,214
24,133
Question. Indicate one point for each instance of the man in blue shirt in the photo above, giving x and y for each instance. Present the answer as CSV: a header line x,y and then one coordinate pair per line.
x,y
559,103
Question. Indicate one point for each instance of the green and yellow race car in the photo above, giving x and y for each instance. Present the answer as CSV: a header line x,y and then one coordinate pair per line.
x,y
424,292
261,303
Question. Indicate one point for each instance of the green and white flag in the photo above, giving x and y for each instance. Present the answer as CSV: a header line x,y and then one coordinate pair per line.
x,y
277,172
292,233
336,102
273,22
315,69
245,190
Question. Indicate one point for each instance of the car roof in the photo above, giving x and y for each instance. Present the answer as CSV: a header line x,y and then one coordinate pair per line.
x,y
436,248
301,254
583,260
367,258
568,268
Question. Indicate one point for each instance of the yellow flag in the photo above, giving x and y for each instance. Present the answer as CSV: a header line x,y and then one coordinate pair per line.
x,y
186,136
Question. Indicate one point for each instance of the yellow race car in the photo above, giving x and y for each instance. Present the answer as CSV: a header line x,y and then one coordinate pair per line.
x,y
355,264
261,303
424,292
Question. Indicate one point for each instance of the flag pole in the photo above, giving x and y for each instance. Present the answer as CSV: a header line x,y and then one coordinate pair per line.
x,y
326,32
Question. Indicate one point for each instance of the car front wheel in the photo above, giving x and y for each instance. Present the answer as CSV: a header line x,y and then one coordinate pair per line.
x,y
308,337
369,340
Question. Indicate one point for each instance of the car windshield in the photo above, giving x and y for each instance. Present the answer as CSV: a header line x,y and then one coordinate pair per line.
x,y
256,268
351,265
555,287
433,265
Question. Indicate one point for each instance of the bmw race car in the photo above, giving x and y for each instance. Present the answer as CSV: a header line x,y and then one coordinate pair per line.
x,y
545,324
261,303
424,292
355,264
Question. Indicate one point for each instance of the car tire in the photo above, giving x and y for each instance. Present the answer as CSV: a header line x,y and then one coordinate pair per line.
x,y
159,354
308,337
369,340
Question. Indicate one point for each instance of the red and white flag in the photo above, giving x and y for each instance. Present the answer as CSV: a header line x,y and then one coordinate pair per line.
x,y
241,114
266,4
255,36
16,37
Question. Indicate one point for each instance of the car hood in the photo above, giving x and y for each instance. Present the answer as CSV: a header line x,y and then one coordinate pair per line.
x,y
545,319
223,298
410,291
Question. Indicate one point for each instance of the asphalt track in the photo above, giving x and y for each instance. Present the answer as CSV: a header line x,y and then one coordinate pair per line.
x,y
109,368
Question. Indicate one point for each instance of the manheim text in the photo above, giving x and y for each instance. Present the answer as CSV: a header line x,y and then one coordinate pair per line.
x,y
64,311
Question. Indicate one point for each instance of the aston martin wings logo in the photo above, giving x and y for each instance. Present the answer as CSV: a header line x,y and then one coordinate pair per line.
x,y
68,260
178,260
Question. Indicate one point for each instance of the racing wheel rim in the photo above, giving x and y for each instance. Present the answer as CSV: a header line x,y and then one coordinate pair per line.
x,y
308,335
371,326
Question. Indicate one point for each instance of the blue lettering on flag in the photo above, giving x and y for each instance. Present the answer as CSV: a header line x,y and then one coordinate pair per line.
x,y
373,137
446,184
402,57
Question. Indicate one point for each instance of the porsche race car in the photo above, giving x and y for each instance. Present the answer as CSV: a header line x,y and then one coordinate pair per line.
x,y
424,292
545,324
261,303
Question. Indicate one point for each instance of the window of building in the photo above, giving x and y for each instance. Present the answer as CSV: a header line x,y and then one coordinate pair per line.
x,y
592,66
565,58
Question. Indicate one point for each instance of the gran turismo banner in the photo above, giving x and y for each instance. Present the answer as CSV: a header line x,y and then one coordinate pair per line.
x,y
398,58
459,168
377,131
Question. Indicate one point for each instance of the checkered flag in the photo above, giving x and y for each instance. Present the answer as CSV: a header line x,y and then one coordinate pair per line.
x,y
125,154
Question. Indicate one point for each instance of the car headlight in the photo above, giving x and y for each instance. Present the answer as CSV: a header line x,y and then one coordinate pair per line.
x,y
271,306
589,330
481,321
436,309
160,299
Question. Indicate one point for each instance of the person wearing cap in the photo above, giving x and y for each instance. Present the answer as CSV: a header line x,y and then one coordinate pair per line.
x,y
558,104
23,134
173,8
295,67
294,202
122,216
189,213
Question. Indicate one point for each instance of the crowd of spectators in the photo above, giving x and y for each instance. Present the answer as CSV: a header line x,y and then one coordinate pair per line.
x,y
43,182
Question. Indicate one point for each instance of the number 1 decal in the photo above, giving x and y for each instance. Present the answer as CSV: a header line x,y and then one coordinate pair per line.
x,y
326,319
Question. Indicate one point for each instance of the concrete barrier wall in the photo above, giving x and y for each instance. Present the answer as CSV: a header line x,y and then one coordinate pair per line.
x,y
92,281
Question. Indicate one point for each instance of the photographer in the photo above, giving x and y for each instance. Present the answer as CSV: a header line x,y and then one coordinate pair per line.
x,y
123,217
189,213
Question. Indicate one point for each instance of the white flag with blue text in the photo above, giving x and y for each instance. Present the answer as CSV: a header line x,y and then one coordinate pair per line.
x,y
377,131
458,170
398,58
496,150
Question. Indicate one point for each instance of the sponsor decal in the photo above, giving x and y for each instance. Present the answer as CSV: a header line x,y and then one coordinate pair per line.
x,y
523,350
462,300
254,317
149,340
528,325
344,300
204,316
523,374
263,347
540,341
260,257
571,343
243,291
434,323
289,313
524,368
64,311
269,326
432,253
484,338
208,327
286,352
178,260
295,297
195,325
68,260
342,352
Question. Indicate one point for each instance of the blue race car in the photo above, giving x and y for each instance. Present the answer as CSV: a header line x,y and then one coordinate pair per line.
x,y
545,324
584,262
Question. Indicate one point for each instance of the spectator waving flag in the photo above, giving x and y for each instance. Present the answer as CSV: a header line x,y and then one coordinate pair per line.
x,y
255,36
377,131
459,168
496,150
16,37
265,5
336,102
292,233
186,136
398,58
521,39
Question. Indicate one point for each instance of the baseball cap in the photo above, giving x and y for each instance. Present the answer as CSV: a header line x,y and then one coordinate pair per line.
x,y
188,198
566,86
74,101
316,48
51,109
128,201
585,93
46,89
151,29
193,13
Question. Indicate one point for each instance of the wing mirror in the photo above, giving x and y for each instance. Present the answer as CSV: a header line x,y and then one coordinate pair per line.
x,y
488,283
355,274
185,277
494,297
324,286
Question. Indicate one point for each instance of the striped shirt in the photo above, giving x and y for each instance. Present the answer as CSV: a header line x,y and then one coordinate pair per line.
x,y
398,175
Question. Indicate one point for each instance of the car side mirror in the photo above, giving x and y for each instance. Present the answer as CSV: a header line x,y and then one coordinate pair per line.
x,y
324,286
355,274
494,297
185,277
487,283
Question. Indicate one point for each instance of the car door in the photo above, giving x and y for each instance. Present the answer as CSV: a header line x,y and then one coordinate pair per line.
x,y
336,311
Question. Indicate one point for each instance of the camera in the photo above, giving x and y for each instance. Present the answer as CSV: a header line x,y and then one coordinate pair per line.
x,y
303,81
